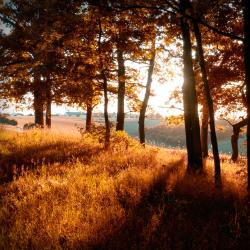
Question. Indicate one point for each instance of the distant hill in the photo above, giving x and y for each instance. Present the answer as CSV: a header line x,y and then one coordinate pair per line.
x,y
174,136
4,119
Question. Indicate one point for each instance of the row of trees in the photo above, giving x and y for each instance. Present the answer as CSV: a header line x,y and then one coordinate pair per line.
x,y
77,52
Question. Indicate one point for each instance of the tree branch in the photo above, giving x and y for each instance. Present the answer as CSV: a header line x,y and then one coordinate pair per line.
x,y
216,30
13,63
175,8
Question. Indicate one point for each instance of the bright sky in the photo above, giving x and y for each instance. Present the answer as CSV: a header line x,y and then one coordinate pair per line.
x,y
162,95
162,90
158,103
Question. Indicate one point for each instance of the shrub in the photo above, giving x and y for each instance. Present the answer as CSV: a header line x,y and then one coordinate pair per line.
x,y
5,120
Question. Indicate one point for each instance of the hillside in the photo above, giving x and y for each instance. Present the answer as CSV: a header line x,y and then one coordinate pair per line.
x,y
174,136
64,191
157,132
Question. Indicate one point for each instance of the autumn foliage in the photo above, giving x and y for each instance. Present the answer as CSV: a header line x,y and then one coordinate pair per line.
x,y
104,190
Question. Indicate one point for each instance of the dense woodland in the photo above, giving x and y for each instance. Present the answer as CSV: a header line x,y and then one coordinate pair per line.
x,y
102,189
76,52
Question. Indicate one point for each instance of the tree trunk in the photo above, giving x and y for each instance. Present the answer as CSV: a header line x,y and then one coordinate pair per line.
x,y
38,108
89,116
192,127
106,116
146,97
121,90
204,131
235,138
38,101
48,107
105,92
209,103
234,143
247,77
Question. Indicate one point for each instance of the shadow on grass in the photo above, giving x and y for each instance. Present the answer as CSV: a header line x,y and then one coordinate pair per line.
x,y
190,216
31,157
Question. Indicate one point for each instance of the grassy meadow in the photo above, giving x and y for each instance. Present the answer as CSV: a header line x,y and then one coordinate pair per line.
x,y
64,191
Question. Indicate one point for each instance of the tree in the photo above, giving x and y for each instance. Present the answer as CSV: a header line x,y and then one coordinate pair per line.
x,y
204,130
235,137
103,76
191,118
35,35
247,77
209,101
121,80
147,92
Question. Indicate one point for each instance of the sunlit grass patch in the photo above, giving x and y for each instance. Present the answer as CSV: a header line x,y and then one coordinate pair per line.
x,y
128,197
29,150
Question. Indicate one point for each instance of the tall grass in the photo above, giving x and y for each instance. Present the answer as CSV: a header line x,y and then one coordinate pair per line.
x,y
78,196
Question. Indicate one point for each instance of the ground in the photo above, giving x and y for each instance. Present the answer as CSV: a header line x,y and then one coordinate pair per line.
x,y
60,124
64,191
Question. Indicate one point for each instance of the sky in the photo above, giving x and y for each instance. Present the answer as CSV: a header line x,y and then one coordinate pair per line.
x,y
167,77
162,91
158,102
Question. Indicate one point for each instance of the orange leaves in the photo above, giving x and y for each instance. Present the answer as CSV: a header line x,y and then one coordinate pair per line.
x,y
122,78
175,120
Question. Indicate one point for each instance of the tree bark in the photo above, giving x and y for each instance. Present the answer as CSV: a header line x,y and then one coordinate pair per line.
x,y
146,97
106,116
235,138
121,89
192,127
247,77
105,92
209,101
235,150
38,108
204,131
38,101
89,116
48,107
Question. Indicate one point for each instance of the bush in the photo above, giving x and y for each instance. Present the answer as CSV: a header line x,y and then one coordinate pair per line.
x,y
119,140
5,120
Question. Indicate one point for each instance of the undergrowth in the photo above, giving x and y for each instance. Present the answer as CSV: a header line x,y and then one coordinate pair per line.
x,y
69,193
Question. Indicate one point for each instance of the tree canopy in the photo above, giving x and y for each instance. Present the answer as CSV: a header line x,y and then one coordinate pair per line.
x,y
84,52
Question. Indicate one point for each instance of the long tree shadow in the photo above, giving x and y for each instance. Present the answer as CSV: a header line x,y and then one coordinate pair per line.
x,y
199,216
131,234
31,157
192,215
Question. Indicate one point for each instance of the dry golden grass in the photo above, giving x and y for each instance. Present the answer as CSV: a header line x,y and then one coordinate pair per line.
x,y
75,195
